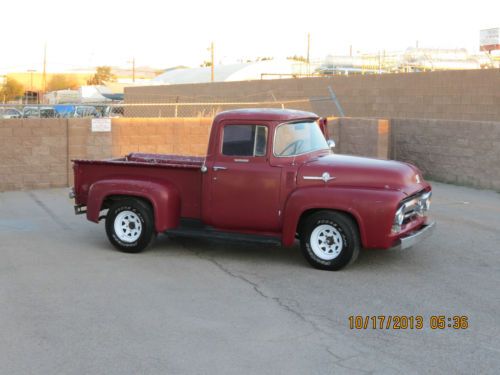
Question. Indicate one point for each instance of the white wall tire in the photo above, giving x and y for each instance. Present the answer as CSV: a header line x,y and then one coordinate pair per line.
x,y
329,240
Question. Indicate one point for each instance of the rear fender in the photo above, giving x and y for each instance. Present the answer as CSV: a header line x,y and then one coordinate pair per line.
x,y
163,196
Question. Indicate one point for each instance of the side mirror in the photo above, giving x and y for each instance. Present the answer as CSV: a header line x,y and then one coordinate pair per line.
x,y
331,144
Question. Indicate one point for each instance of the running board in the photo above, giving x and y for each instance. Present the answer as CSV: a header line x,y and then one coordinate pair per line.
x,y
213,234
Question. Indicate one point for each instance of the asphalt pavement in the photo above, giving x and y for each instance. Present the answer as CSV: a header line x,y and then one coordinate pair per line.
x,y
71,304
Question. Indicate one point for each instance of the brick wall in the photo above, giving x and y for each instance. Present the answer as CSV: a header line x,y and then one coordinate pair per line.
x,y
360,136
459,152
85,144
181,136
459,95
37,153
33,153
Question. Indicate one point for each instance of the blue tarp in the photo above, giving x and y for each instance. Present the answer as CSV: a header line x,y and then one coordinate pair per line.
x,y
64,110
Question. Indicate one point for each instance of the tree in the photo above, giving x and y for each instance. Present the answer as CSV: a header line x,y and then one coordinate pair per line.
x,y
11,89
206,64
297,58
62,82
102,74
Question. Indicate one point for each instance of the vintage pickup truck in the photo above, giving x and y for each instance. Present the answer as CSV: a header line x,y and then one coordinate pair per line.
x,y
269,175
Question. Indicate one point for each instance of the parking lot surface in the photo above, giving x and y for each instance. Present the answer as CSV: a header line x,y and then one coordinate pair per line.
x,y
70,304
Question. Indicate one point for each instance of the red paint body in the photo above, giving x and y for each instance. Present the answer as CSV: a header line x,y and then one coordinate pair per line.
x,y
264,195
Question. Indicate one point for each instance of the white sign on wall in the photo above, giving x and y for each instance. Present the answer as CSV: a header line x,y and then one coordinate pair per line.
x,y
101,124
489,37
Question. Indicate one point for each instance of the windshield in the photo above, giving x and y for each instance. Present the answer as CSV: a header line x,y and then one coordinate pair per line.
x,y
298,138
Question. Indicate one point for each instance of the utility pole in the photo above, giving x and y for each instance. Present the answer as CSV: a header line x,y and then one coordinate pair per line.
x,y
379,63
133,69
44,76
308,46
31,71
212,60
308,51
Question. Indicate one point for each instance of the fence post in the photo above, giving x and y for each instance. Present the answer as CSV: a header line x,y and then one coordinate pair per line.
x,y
336,101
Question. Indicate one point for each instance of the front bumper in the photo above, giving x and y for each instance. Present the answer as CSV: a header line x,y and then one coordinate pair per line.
x,y
415,237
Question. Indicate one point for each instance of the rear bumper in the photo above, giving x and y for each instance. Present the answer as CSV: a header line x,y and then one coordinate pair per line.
x,y
415,237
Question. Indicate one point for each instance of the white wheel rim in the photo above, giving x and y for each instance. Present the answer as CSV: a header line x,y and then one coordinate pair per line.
x,y
326,242
128,226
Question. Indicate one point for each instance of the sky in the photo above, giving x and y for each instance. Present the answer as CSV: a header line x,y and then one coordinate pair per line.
x,y
163,34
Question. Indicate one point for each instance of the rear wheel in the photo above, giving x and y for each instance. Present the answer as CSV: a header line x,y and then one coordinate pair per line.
x,y
130,225
330,240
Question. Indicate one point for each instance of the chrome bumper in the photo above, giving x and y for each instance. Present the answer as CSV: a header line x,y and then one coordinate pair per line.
x,y
415,237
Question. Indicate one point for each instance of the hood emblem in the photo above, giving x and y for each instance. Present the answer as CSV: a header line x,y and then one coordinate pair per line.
x,y
417,178
325,177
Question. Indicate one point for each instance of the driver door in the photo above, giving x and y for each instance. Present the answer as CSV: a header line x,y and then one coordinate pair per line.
x,y
244,187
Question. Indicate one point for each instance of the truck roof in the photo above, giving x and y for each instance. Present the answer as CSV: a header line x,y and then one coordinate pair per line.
x,y
269,114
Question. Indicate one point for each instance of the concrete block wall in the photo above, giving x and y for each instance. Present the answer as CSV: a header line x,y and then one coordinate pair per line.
x,y
85,144
360,136
181,136
37,153
458,152
458,95
33,153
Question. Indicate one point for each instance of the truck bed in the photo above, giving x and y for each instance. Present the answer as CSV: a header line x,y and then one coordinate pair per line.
x,y
182,171
167,160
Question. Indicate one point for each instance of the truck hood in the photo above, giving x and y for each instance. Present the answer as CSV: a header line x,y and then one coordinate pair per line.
x,y
354,171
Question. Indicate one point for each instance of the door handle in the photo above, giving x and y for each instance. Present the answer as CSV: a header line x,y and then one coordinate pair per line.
x,y
216,168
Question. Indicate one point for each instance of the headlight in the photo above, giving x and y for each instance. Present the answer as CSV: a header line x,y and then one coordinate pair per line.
x,y
398,219
425,202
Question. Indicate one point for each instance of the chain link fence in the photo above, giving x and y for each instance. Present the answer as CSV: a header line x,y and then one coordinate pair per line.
x,y
170,107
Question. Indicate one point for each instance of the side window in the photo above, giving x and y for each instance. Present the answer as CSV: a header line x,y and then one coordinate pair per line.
x,y
29,112
244,140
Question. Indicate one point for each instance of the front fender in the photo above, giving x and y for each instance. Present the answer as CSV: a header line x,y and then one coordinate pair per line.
x,y
373,210
163,196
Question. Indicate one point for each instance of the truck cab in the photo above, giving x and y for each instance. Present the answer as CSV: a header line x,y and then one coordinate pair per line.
x,y
269,175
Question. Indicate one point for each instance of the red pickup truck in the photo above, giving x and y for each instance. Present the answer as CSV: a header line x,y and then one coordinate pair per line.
x,y
269,175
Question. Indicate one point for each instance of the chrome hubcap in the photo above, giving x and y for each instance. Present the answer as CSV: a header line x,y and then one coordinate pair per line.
x,y
128,226
326,242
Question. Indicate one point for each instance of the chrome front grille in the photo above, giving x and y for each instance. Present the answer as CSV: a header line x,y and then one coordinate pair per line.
x,y
416,206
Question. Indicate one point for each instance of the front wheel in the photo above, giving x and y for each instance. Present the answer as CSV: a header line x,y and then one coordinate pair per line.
x,y
130,225
330,240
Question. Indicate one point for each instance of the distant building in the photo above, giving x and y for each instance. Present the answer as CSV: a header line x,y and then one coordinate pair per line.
x,y
411,60
269,69
93,94
61,97
85,94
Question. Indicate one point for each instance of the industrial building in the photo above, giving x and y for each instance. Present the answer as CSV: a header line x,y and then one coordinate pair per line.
x,y
268,69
